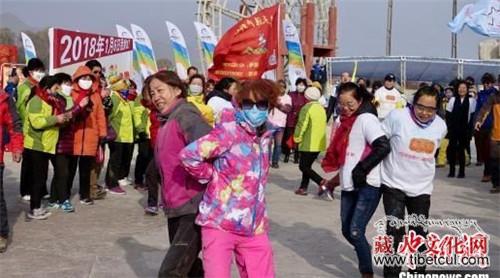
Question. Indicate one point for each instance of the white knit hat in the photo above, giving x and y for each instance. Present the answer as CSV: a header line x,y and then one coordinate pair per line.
x,y
312,93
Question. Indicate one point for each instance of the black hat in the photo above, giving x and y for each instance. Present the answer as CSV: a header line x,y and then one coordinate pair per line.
x,y
390,77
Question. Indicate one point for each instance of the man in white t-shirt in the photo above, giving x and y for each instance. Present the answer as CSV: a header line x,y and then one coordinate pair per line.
x,y
387,97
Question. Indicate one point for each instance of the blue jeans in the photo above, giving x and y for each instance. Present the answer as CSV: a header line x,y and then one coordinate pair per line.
x,y
278,137
356,210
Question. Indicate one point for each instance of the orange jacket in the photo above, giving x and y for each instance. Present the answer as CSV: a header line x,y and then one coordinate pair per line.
x,y
91,125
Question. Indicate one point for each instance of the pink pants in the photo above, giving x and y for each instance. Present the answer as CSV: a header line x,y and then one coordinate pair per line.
x,y
254,255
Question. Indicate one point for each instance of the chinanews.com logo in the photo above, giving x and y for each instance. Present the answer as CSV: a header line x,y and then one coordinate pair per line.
x,y
459,245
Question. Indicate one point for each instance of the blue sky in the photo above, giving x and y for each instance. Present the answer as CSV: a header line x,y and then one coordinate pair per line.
x,y
419,26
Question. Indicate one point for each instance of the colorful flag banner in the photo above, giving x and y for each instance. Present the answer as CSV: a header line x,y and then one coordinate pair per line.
x,y
208,41
483,17
145,52
181,54
296,68
29,47
136,73
249,48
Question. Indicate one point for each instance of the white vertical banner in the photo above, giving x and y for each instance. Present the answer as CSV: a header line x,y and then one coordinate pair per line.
x,y
208,41
296,68
145,52
136,73
29,47
181,54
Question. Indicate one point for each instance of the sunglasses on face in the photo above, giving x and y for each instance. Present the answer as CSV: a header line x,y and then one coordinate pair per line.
x,y
262,105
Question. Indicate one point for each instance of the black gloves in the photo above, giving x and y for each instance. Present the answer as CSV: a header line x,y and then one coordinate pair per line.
x,y
380,149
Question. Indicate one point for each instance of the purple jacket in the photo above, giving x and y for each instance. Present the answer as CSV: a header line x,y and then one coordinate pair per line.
x,y
235,163
298,101
66,140
181,125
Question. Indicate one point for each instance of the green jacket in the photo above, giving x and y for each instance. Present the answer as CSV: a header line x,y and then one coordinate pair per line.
x,y
41,132
23,93
310,131
141,117
121,119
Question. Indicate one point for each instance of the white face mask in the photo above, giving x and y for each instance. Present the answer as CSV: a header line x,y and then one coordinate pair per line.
x,y
85,84
38,75
66,89
301,88
195,89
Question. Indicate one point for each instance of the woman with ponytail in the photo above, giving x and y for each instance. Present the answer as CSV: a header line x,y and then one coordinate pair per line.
x,y
415,134
356,149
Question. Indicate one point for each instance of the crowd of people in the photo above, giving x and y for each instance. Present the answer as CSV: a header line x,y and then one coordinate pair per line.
x,y
205,149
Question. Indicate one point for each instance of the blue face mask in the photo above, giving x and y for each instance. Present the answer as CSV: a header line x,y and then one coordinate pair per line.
x,y
254,116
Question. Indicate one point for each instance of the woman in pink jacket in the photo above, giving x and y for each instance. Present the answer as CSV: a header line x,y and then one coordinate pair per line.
x,y
181,124
233,159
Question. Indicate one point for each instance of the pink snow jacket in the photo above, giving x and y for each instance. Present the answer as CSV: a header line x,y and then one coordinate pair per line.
x,y
181,125
234,161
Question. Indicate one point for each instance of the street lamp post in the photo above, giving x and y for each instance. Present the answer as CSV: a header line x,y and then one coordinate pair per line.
x,y
389,28
454,35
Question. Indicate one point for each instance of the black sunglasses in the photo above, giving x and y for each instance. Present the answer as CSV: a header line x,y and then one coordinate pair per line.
x,y
262,105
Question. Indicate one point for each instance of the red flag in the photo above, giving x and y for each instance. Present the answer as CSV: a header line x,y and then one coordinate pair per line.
x,y
249,48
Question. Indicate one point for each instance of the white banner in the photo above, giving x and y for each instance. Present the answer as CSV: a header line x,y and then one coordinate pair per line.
x,y
483,17
145,52
208,41
136,73
29,47
181,54
295,57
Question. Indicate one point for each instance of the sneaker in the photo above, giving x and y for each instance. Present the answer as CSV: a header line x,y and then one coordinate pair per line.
x,y
329,195
53,205
26,198
67,206
124,182
494,190
99,194
117,190
46,196
3,244
39,214
87,202
301,192
275,165
151,211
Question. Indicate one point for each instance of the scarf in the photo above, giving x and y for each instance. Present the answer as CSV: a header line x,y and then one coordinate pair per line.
x,y
220,94
58,104
336,152
80,93
335,155
417,121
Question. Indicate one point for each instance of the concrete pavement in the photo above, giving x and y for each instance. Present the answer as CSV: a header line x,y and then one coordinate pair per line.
x,y
113,238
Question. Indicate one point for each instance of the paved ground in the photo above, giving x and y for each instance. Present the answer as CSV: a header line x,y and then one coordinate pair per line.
x,y
114,238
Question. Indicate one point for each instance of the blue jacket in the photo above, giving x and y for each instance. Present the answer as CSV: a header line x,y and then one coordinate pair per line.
x,y
482,97
11,89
